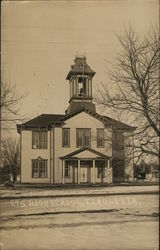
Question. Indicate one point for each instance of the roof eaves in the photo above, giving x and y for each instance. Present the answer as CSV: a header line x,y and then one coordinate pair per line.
x,y
71,72
110,121
83,109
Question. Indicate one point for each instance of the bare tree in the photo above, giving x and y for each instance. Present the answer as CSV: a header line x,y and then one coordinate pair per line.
x,y
133,89
9,103
9,106
10,156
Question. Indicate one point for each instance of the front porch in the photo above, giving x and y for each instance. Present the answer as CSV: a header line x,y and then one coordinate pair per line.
x,y
85,166
85,171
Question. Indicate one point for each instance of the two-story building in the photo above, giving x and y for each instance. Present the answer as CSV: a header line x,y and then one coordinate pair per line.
x,y
80,146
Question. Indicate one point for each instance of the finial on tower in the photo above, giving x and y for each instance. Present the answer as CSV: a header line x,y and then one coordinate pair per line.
x,y
81,56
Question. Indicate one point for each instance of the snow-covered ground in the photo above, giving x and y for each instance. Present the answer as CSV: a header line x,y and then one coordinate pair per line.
x,y
132,223
81,231
53,191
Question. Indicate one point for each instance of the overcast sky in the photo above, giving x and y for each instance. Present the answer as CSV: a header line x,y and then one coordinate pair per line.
x,y
40,40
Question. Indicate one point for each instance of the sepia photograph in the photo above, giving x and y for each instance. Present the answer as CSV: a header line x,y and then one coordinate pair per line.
x,y
79,125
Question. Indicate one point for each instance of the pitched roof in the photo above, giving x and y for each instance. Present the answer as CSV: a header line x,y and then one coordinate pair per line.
x,y
72,154
110,121
105,119
80,67
45,120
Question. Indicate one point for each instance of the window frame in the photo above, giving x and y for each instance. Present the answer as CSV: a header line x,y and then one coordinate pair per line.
x,y
38,166
83,137
99,166
39,146
100,174
100,138
67,165
66,146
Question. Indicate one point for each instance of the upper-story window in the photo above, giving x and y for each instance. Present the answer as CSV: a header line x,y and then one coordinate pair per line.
x,y
83,137
100,138
39,139
65,137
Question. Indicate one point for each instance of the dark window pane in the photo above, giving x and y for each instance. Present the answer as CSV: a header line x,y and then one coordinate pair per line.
x,y
35,139
65,137
39,139
100,137
86,136
67,170
100,169
43,139
83,137
79,137
35,172
42,168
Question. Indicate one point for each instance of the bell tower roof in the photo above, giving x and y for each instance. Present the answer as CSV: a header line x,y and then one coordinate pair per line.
x,y
80,67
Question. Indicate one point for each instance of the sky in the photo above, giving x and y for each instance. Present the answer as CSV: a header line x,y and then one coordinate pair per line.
x,y
39,41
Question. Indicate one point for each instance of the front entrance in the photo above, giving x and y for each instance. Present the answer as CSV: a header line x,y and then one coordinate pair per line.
x,y
85,171
84,174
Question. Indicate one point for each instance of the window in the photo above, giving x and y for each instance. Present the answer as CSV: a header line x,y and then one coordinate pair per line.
x,y
82,65
100,172
65,137
39,139
83,138
100,169
67,170
42,169
35,170
39,168
100,138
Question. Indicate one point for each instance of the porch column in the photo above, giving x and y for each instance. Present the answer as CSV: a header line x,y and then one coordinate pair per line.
x,y
79,169
93,172
109,171
63,165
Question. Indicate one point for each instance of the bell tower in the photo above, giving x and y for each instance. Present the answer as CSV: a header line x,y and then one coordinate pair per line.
x,y
80,85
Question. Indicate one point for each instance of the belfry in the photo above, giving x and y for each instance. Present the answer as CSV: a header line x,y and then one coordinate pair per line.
x,y
80,84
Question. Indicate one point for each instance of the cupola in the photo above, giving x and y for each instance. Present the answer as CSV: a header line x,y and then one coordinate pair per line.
x,y
80,85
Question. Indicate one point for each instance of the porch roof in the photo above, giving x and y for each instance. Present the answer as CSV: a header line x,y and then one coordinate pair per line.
x,y
93,151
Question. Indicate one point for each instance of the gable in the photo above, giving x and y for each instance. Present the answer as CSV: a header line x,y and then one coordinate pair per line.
x,y
83,120
85,153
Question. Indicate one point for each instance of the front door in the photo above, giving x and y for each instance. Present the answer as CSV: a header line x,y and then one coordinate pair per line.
x,y
84,174
84,171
